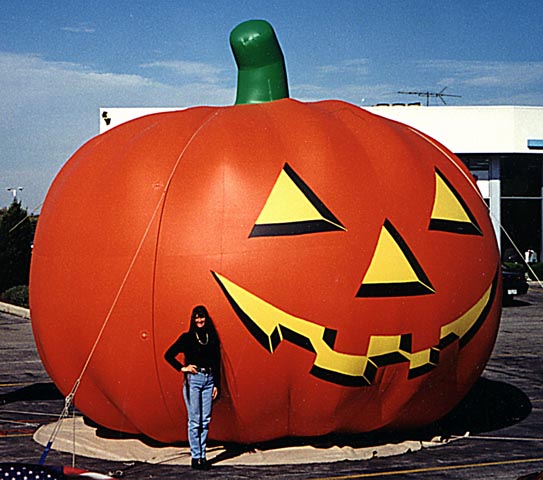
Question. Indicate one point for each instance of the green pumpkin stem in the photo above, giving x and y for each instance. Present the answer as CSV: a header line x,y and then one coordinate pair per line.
x,y
262,76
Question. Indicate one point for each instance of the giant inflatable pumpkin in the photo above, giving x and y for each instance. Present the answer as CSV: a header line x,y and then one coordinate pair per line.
x,y
348,262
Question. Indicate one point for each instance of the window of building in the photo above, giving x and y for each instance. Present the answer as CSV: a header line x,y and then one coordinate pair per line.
x,y
478,165
521,219
521,197
521,175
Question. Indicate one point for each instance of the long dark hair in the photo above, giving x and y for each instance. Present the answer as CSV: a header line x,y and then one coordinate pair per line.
x,y
209,326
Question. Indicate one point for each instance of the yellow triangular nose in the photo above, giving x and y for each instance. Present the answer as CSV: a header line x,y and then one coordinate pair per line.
x,y
394,270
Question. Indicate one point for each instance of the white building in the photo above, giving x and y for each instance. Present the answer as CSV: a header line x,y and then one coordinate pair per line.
x,y
501,145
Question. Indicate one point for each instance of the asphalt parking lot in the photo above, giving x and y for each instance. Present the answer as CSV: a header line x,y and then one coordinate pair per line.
x,y
503,415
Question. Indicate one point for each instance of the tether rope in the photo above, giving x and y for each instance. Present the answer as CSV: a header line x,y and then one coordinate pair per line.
x,y
28,215
77,383
520,255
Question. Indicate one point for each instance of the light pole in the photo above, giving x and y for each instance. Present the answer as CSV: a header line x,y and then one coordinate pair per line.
x,y
14,191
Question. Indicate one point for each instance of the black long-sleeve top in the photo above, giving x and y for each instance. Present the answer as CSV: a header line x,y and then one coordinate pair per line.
x,y
205,355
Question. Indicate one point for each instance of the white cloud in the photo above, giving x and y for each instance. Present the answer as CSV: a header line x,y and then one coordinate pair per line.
x,y
81,28
197,70
363,94
78,29
486,74
51,108
358,66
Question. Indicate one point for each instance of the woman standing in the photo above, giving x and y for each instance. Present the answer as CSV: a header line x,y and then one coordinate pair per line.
x,y
201,349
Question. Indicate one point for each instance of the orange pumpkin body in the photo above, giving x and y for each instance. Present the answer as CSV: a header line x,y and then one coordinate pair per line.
x,y
386,304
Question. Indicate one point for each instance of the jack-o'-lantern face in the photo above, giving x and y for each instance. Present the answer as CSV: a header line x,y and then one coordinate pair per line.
x,y
293,209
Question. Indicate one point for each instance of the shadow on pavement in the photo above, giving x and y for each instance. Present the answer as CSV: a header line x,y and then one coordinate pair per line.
x,y
489,406
532,476
36,391
515,302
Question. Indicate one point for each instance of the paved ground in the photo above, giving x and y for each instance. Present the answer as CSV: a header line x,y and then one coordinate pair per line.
x,y
504,415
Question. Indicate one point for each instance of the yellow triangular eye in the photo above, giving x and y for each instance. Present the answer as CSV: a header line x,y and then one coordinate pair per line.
x,y
394,271
450,212
293,209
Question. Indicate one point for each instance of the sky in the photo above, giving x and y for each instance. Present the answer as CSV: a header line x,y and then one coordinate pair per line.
x,y
61,60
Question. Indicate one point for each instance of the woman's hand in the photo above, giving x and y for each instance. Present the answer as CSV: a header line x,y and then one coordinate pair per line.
x,y
189,369
215,393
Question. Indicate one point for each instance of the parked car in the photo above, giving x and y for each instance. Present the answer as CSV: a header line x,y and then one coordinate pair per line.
x,y
514,283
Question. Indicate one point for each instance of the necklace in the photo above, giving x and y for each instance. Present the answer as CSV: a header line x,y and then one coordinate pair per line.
x,y
200,341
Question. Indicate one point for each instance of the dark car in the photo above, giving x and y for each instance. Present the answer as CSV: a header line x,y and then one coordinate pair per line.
x,y
514,283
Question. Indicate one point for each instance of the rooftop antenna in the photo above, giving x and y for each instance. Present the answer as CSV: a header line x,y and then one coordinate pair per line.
x,y
428,94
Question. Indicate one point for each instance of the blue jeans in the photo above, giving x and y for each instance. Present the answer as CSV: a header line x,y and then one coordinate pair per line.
x,y
197,392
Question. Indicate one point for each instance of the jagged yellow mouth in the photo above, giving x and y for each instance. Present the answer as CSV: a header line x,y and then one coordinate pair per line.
x,y
270,325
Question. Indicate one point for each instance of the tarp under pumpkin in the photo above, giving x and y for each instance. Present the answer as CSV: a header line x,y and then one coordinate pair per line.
x,y
89,444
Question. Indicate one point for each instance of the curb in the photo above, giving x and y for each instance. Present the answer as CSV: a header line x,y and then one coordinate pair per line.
x,y
14,310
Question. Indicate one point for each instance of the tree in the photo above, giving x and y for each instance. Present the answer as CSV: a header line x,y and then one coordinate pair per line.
x,y
15,247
